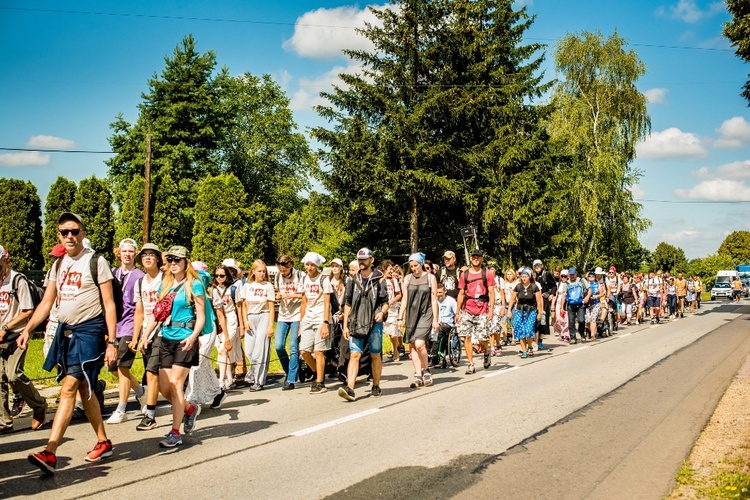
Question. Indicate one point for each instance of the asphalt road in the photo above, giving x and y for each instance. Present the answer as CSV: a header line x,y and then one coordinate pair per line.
x,y
608,419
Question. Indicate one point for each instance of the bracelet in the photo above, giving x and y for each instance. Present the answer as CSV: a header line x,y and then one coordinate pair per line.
x,y
326,322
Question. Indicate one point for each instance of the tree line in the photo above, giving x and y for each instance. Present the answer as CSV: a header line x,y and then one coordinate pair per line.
x,y
449,122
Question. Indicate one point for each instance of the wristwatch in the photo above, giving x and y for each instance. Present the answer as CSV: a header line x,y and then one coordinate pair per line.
x,y
4,328
113,342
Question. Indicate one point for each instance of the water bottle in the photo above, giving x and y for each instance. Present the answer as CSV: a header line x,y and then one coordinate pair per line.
x,y
543,321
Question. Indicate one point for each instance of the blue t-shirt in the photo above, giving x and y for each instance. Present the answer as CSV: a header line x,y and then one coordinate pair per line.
x,y
182,312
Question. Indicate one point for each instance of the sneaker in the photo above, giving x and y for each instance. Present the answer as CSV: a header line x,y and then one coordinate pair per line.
x,y
171,440
18,405
147,423
418,383
487,360
45,460
573,341
256,388
288,386
117,417
188,421
40,415
318,388
102,449
524,354
470,370
347,393
427,378
218,400
376,392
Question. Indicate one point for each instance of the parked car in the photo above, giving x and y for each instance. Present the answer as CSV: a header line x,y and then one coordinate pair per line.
x,y
721,289
746,288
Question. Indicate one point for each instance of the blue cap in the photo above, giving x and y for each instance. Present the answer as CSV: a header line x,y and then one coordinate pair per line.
x,y
572,270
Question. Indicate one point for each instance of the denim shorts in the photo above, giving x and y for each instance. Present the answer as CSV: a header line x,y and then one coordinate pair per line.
x,y
374,341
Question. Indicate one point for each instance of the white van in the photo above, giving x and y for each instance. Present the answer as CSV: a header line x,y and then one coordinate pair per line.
x,y
726,276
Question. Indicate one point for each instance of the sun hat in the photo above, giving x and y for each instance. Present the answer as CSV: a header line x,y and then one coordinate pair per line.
x,y
153,248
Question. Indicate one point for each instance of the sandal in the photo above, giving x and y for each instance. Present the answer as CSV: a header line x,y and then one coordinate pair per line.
x,y
524,355
418,382
426,378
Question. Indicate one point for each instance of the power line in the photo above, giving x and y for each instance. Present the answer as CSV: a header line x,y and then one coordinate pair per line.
x,y
287,23
32,150
692,201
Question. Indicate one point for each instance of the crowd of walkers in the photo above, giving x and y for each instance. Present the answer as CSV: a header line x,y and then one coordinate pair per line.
x,y
320,320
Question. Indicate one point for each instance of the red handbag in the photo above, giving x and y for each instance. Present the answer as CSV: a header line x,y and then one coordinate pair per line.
x,y
163,308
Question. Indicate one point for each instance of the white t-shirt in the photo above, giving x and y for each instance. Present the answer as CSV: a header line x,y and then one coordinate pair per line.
x,y
221,297
392,287
9,306
256,295
77,294
289,309
315,290
654,286
147,293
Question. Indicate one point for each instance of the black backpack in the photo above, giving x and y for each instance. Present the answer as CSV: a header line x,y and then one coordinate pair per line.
x,y
36,292
116,287
362,315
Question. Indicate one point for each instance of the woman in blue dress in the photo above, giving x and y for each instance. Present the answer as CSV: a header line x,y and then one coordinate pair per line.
x,y
527,297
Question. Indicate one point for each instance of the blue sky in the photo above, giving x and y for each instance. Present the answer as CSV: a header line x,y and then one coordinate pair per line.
x,y
67,74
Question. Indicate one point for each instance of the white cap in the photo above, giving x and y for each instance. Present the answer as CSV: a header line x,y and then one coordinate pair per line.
x,y
313,257
599,270
231,263
337,261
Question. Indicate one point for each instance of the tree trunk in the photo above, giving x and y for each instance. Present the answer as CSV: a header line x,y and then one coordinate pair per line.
x,y
414,226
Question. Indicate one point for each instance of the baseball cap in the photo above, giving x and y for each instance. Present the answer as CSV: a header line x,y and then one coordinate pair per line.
x,y
477,253
572,271
450,254
128,242
564,272
612,269
536,262
598,270
231,263
66,216
178,251
338,261
364,253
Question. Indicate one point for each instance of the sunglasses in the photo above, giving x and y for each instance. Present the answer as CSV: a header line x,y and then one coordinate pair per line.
x,y
148,254
220,275
66,232
172,259
284,264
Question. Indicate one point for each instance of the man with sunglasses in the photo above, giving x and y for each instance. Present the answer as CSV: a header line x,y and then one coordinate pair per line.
x,y
289,294
84,341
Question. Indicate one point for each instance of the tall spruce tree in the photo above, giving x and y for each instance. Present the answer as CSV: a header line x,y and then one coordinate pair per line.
x,y
221,227
165,230
93,202
60,198
437,127
129,220
182,114
21,223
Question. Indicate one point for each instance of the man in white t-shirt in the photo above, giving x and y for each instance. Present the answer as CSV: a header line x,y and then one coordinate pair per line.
x,y
85,337
315,319
16,307
654,289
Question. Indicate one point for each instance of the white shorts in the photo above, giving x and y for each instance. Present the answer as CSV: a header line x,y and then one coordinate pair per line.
x,y
392,330
311,340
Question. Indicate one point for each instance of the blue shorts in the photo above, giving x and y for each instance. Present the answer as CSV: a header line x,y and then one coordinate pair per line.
x,y
374,341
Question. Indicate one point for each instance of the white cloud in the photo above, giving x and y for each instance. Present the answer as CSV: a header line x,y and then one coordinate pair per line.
x,y
323,33
49,142
24,159
733,134
683,235
657,95
737,170
716,190
688,11
638,192
672,144
308,92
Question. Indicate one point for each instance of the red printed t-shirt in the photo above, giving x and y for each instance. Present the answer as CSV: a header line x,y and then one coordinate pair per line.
x,y
475,289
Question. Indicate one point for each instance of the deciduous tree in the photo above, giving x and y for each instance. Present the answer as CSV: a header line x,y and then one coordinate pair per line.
x,y
738,32
21,223
670,258
93,202
737,246
60,198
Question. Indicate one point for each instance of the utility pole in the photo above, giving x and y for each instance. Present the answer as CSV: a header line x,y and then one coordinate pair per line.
x,y
147,189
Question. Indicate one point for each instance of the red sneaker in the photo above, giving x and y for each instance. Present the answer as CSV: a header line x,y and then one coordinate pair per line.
x,y
45,460
103,449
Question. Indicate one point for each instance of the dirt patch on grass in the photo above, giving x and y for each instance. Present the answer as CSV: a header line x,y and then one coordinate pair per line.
x,y
719,463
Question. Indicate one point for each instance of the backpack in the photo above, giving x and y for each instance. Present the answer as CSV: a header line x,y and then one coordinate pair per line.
x,y
485,296
362,316
36,292
574,296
